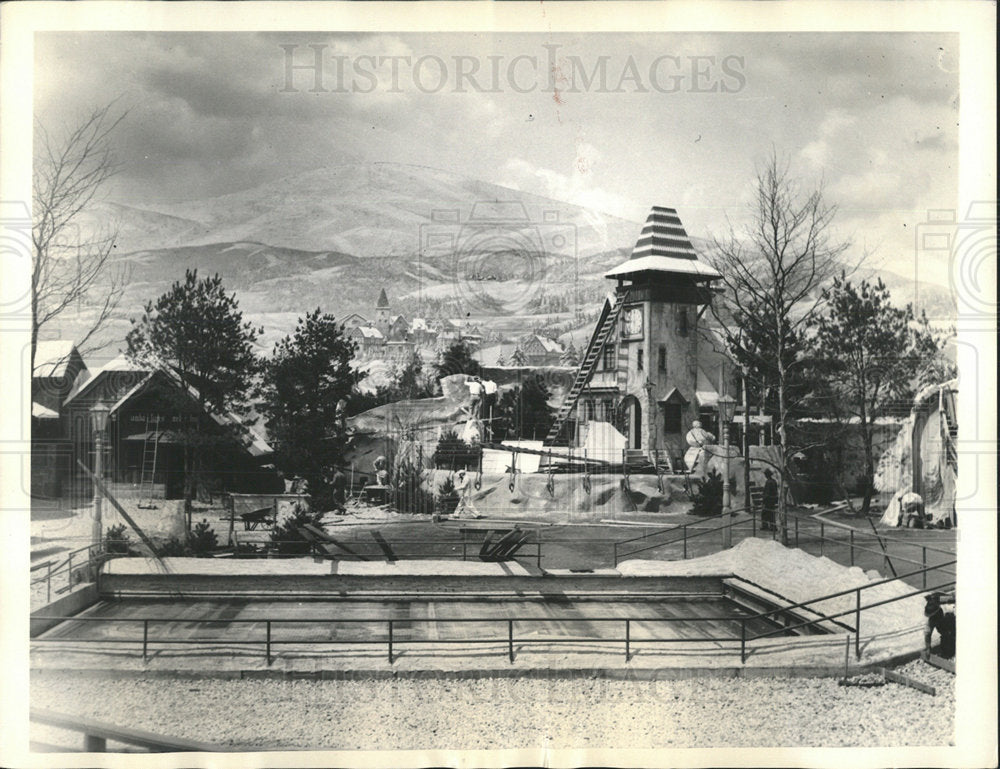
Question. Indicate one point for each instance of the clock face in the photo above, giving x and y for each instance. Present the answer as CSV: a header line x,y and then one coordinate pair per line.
x,y
633,321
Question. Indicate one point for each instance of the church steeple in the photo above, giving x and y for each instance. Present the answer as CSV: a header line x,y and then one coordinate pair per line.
x,y
383,318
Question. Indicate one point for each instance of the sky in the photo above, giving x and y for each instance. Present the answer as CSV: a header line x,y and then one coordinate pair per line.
x,y
615,122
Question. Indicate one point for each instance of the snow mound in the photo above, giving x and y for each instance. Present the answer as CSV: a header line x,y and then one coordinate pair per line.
x,y
798,576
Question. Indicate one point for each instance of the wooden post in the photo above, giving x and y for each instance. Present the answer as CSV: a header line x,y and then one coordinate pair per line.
x,y
390,642
857,626
145,638
510,640
628,640
269,642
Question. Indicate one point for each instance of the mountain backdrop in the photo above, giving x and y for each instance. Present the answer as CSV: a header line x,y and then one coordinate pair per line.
x,y
439,243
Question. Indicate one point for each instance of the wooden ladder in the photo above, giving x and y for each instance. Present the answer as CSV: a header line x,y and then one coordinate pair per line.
x,y
150,448
586,369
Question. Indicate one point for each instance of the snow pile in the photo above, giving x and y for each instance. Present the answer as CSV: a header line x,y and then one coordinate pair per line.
x,y
798,576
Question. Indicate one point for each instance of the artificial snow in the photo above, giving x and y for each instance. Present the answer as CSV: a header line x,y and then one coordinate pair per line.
x,y
798,576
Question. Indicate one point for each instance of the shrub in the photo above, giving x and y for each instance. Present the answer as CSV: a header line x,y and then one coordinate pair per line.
x,y
453,453
174,548
286,536
203,539
447,499
408,494
116,540
707,497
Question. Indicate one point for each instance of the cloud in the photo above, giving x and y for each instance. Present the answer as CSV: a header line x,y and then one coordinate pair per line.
x,y
576,187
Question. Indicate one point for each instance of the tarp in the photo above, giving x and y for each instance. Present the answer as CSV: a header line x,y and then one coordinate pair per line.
x,y
925,432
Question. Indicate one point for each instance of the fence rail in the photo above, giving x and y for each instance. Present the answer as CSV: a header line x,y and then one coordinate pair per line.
x,y
53,569
391,640
795,534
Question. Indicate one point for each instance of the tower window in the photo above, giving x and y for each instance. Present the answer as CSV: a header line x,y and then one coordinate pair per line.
x,y
608,409
662,362
682,321
588,408
609,357
638,358
672,418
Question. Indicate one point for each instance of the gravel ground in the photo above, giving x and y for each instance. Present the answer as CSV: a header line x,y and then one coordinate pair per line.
x,y
491,713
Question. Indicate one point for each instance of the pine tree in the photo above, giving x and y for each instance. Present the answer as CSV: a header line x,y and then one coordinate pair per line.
x,y
197,330
876,353
305,380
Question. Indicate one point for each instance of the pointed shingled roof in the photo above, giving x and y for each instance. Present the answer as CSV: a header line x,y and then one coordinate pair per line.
x,y
664,246
383,300
663,235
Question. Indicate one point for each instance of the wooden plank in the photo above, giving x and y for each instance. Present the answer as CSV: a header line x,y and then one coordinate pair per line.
x,y
938,662
105,731
324,537
899,678
390,556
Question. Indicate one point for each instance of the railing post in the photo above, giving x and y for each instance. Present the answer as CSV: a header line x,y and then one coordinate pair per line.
x,y
821,537
269,642
92,744
743,640
753,524
852,547
796,531
390,642
685,541
145,638
615,552
48,584
923,559
69,570
510,640
538,544
463,547
628,640
857,626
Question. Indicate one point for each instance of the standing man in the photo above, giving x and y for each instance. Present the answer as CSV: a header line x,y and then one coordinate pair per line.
x,y
769,502
465,508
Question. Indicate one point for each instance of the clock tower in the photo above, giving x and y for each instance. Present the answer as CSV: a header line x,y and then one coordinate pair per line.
x,y
640,370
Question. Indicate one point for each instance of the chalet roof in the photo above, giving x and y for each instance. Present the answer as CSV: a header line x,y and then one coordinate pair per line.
x,y
383,300
52,357
370,332
663,246
120,363
38,411
256,446
549,345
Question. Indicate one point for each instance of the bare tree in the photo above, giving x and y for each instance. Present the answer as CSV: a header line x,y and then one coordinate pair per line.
x,y
71,265
773,272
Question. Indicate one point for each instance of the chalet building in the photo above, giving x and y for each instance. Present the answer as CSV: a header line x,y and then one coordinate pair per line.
x,y
640,370
58,365
151,415
538,350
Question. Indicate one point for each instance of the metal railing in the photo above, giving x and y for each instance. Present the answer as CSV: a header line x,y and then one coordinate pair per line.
x,y
54,569
391,639
683,529
414,549
795,535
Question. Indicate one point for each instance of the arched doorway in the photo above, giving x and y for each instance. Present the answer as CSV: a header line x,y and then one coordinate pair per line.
x,y
631,421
